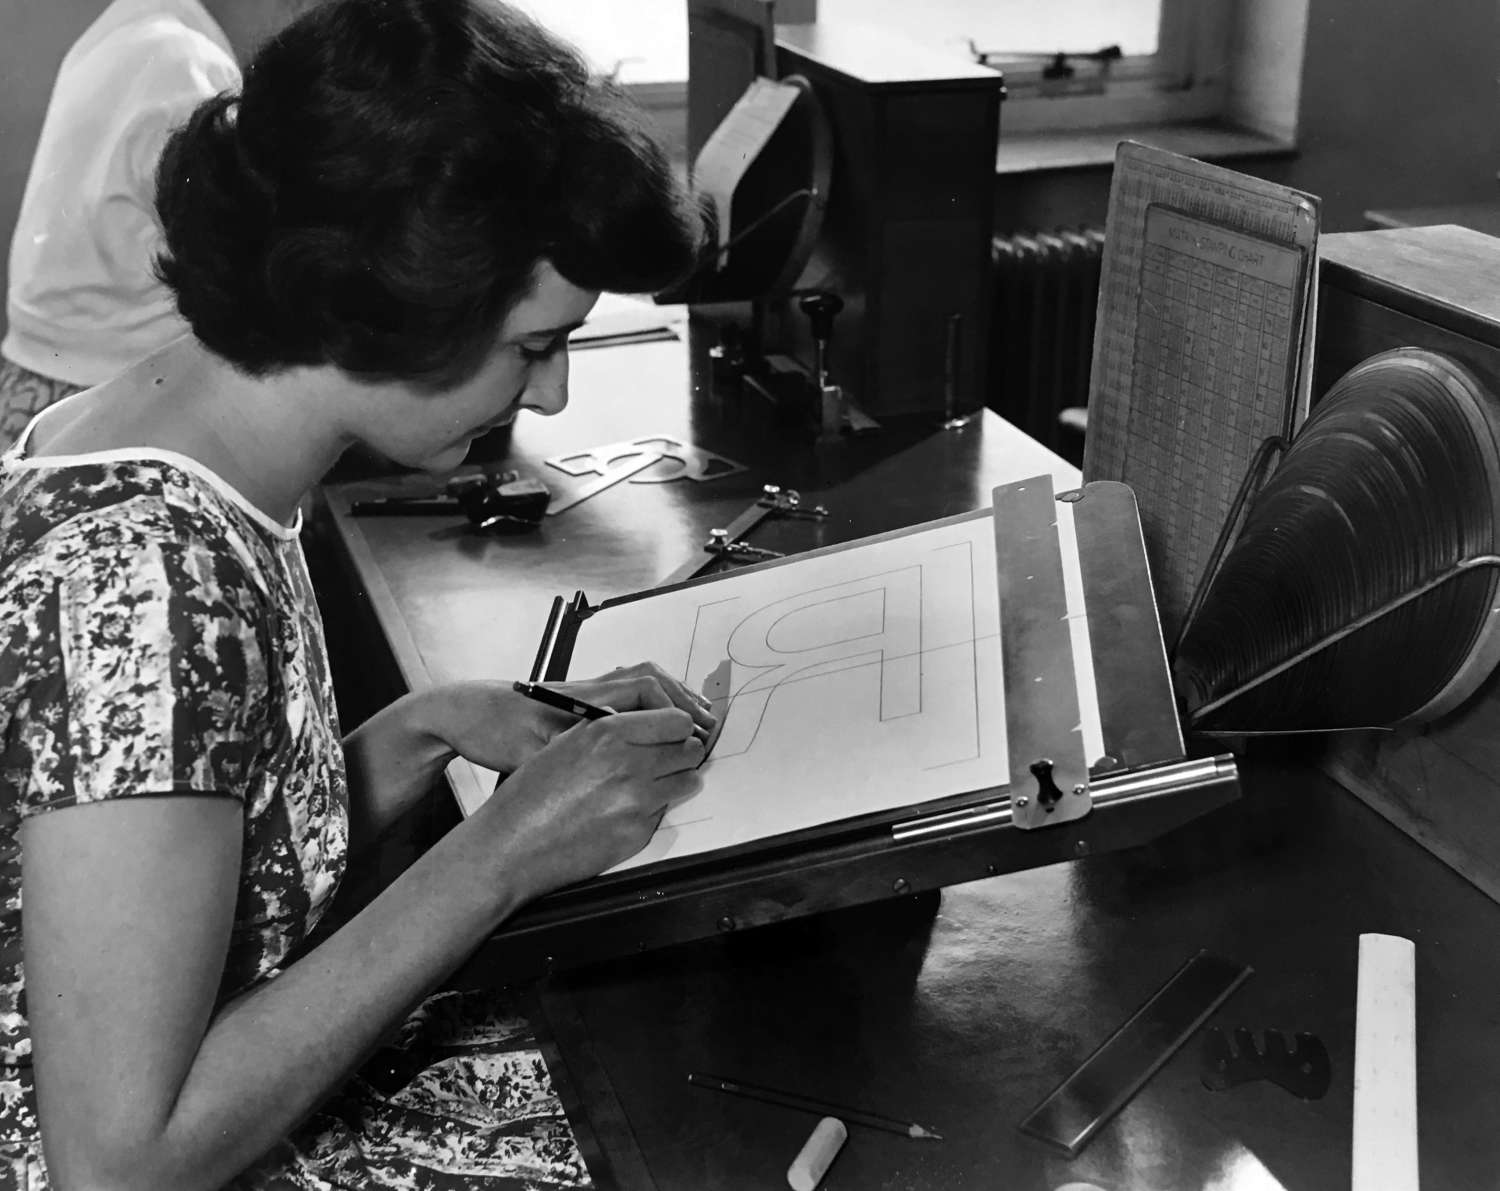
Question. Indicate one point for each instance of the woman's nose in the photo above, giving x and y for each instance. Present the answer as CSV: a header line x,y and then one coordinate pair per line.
x,y
547,386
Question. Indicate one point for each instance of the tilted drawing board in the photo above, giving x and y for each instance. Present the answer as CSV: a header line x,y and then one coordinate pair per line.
x,y
974,695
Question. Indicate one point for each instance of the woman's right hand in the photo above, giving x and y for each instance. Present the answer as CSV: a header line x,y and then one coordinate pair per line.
x,y
594,795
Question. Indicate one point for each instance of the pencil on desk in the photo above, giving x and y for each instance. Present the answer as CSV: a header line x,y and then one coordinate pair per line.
x,y
853,1116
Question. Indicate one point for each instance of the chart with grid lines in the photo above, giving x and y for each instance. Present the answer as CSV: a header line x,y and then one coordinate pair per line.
x,y
1161,455
1212,372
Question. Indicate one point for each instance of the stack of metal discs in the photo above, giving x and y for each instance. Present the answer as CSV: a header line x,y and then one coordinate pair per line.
x,y
1361,588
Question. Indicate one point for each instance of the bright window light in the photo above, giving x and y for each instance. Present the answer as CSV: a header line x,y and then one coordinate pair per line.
x,y
1012,26
639,41
645,41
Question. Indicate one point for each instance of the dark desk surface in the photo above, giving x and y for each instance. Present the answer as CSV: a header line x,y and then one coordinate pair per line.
x,y
965,1018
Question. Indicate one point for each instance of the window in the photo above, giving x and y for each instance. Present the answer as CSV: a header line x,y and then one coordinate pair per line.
x,y
1171,64
638,41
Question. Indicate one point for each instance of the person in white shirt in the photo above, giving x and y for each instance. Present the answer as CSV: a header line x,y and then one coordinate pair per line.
x,y
84,301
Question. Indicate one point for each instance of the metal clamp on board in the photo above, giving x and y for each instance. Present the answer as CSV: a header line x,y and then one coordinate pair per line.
x,y
1046,796
1088,691
1043,672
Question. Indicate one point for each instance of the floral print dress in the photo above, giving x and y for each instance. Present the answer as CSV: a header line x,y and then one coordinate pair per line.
x,y
159,635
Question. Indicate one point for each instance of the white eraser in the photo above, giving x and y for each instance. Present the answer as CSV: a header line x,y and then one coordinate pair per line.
x,y
817,1155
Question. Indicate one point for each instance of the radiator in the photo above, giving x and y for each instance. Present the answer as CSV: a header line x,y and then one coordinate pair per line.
x,y
1042,335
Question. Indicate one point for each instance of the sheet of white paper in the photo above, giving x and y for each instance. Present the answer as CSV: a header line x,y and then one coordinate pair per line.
x,y
859,681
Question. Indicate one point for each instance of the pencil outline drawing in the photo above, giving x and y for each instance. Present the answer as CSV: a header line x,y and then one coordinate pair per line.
x,y
760,664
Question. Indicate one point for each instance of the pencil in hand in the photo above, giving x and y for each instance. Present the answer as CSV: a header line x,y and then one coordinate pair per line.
x,y
560,701
579,707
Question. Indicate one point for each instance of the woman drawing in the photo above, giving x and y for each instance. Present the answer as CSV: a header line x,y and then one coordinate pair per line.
x,y
382,240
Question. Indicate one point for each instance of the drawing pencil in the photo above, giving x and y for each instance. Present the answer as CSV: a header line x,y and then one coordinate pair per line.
x,y
404,506
561,701
853,1116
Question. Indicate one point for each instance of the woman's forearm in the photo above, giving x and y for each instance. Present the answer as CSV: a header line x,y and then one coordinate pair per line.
x,y
392,760
272,1055
207,1102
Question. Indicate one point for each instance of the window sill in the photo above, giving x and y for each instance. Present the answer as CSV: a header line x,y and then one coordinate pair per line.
x,y
1042,152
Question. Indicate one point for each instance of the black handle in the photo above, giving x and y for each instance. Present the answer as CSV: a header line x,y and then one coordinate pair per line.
x,y
820,310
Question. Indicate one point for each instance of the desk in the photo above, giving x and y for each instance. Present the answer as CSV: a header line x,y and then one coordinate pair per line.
x,y
961,1012
1480,217
964,1020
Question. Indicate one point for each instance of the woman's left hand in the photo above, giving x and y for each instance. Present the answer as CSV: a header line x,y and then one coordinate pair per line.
x,y
490,724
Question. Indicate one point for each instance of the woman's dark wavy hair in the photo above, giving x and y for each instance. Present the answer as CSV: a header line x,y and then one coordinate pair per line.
x,y
379,193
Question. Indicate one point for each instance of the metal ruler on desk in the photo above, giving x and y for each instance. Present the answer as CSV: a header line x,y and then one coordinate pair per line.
x,y
1198,349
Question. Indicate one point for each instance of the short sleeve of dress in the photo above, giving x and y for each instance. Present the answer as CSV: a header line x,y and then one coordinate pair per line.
x,y
145,674
179,69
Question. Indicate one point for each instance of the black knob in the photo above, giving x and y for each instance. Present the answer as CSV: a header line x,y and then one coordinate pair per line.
x,y
820,310
1047,793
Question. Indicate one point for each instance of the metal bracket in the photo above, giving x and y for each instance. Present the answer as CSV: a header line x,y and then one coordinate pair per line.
x,y
720,546
1035,805
1041,683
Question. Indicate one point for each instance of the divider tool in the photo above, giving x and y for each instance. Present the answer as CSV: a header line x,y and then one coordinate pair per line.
x,y
728,543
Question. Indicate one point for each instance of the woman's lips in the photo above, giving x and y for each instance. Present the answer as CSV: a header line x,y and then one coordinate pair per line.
x,y
504,419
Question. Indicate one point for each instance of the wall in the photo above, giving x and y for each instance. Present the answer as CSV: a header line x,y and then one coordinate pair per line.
x,y
1267,42
1399,107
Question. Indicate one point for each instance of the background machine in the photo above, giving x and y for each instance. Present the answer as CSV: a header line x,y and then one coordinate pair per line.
x,y
848,182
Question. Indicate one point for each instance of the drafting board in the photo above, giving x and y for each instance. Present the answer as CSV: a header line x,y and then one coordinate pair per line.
x,y
1198,350
821,667
860,681
871,678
